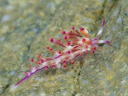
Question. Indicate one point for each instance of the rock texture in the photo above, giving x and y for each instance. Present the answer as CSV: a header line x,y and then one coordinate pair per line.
x,y
25,29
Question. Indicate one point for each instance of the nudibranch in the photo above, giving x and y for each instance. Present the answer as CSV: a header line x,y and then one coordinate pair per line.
x,y
75,43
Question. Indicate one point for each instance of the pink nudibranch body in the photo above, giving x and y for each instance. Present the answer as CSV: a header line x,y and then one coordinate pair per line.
x,y
76,43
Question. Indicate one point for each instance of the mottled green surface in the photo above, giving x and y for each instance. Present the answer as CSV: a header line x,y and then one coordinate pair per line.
x,y
27,25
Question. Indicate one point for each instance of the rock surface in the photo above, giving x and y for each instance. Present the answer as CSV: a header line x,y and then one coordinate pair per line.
x,y
27,25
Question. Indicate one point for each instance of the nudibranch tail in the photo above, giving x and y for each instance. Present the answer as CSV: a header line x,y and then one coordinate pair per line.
x,y
29,74
22,80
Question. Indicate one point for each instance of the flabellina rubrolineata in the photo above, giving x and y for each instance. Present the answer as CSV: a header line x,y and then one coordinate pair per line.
x,y
75,43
